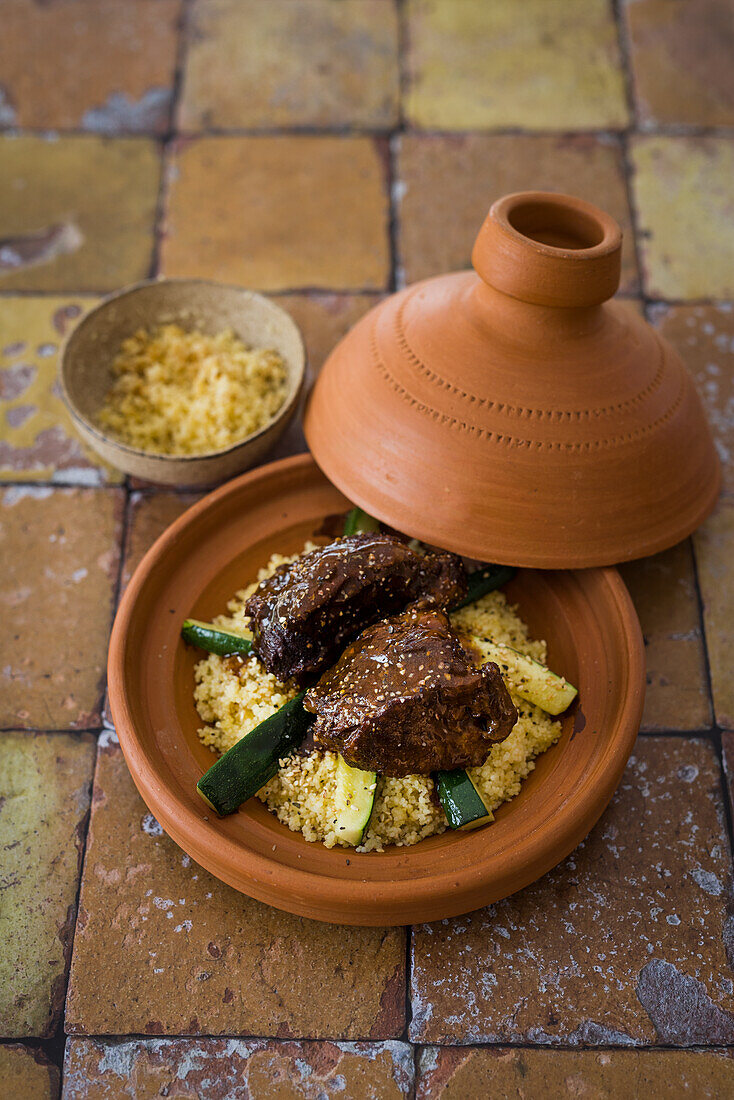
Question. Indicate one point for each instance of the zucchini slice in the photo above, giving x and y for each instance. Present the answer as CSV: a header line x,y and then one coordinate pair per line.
x,y
462,803
529,679
484,580
355,799
214,639
248,765
358,520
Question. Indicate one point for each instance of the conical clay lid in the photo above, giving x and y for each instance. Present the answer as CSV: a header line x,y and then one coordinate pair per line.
x,y
516,415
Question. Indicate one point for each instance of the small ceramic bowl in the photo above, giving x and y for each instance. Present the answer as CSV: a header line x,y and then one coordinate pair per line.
x,y
87,356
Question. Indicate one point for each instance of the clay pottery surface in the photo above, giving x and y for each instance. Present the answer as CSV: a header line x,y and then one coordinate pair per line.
x,y
515,414
194,304
211,552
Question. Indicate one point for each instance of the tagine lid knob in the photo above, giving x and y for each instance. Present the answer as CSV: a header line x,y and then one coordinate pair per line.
x,y
515,413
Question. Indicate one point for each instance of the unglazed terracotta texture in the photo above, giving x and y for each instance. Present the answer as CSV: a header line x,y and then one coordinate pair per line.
x,y
515,414
594,639
88,354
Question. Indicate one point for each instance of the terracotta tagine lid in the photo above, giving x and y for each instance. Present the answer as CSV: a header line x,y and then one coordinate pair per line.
x,y
515,414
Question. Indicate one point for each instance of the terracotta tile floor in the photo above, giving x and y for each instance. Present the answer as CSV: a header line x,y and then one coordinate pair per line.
x,y
328,151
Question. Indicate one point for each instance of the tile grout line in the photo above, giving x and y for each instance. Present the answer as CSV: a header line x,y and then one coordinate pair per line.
x,y
57,1042
502,1044
716,731
122,543
124,526
625,53
308,290
71,731
347,130
169,138
61,1036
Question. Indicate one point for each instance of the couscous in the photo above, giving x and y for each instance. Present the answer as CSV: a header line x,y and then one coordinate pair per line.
x,y
232,701
189,393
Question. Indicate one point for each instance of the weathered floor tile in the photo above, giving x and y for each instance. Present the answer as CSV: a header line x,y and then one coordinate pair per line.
x,y
458,1073
45,788
684,190
681,61
703,335
448,182
624,943
290,212
713,544
38,441
162,947
76,213
27,1074
150,515
315,63
60,552
236,1069
663,589
124,53
323,319
495,63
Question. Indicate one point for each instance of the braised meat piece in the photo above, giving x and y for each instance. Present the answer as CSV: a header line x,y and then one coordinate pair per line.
x,y
405,698
306,612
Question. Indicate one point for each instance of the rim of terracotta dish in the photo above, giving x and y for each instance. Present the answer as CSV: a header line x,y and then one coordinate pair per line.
x,y
313,894
144,284
549,249
505,212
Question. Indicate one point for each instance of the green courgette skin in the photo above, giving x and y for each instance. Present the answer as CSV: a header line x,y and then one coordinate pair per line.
x,y
485,580
213,639
359,521
247,766
460,799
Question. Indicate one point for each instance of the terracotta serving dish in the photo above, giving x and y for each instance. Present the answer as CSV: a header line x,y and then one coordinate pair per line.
x,y
87,356
515,414
213,550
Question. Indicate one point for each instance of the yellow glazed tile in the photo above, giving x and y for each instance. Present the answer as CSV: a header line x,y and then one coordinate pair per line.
x,y
313,63
37,438
684,187
76,213
540,65
45,788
